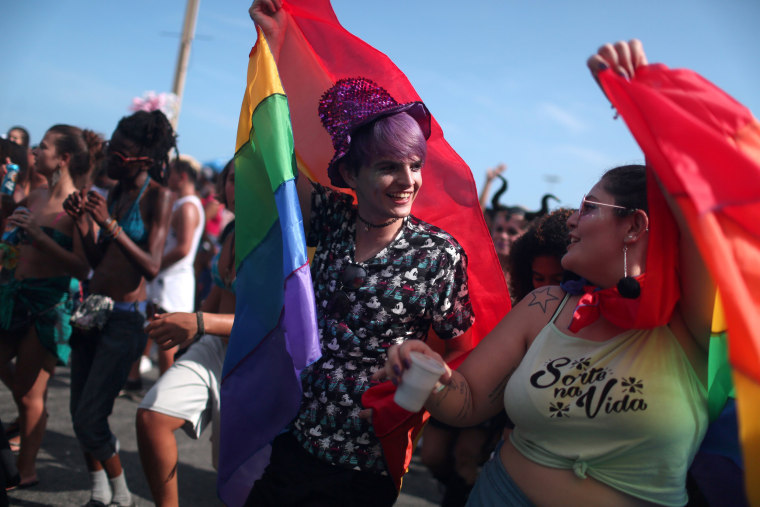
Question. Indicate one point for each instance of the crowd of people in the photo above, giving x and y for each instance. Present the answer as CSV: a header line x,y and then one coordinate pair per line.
x,y
113,247
100,237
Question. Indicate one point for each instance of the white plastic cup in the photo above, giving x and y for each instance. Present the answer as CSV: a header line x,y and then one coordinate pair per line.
x,y
417,382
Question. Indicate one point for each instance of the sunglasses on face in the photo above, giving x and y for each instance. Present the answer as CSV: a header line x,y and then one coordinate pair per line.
x,y
111,154
352,278
587,206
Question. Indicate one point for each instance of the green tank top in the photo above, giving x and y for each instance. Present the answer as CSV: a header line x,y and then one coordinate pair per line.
x,y
629,412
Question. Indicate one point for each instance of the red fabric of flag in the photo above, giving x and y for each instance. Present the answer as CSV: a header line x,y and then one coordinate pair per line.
x,y
705,148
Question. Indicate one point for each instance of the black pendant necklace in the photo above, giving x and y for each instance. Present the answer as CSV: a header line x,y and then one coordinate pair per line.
x,y
370,225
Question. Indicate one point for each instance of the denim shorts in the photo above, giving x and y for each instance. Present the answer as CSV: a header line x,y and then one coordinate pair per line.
x,y
495,487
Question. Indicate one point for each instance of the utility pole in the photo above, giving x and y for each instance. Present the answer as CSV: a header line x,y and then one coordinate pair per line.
x,y
188,33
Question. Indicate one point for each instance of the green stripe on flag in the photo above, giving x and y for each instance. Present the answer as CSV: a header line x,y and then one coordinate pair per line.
x,y
261,166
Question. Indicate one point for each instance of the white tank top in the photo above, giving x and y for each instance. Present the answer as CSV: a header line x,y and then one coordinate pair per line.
x,y
174,287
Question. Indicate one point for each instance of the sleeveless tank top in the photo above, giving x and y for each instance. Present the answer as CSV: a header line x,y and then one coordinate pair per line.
x,y
629,412
174,287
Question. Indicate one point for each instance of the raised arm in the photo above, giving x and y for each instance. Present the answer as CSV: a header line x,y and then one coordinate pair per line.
x,y
269,16
697,286
491,175
695,307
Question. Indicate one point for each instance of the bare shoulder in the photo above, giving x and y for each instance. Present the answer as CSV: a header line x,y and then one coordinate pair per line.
x,y
35,197
534,311
160,191
496,357
159,196
525,320
543,301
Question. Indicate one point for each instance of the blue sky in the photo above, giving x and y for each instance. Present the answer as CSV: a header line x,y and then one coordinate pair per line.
x,y
505,79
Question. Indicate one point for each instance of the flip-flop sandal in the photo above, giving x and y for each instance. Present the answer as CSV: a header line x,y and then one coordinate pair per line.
x,y
12,482
23,485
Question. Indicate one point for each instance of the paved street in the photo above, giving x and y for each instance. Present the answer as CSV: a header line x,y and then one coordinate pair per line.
x,y
63,476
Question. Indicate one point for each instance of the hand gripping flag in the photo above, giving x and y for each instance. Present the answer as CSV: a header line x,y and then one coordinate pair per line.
x,y
275,332
705,148
316,52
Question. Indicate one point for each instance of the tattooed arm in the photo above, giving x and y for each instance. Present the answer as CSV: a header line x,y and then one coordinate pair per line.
x,y
475,391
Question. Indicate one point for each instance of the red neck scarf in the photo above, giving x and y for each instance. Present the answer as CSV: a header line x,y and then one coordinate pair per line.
x,y
594,302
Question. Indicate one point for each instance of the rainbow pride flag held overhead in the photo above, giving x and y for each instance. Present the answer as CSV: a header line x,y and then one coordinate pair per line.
x,y
275,333
316,52
705,148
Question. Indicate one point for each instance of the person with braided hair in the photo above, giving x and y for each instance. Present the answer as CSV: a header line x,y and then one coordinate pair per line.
x,y
124,238
40,272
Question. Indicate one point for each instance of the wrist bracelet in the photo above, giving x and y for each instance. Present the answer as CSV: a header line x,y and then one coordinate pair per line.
x,y
201,328
112,230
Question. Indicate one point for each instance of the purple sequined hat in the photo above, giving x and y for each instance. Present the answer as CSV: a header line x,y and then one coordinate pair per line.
x,y
353,102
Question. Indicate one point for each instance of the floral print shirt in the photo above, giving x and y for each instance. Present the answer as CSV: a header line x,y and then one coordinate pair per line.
x,y
419,280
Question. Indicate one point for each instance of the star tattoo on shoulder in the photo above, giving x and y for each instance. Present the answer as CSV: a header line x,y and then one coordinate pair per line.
x,y
542,297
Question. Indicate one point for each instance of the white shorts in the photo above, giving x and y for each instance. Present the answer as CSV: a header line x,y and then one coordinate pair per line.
x,y
189,390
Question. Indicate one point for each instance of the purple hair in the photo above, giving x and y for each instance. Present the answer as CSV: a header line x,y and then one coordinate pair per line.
x,y
397,137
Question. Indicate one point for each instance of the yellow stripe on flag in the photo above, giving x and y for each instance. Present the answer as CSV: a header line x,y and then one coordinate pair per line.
x,y
263,81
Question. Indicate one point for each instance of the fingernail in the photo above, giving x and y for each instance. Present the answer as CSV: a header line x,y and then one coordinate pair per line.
x,y
602,66
396,370
395,382
407,364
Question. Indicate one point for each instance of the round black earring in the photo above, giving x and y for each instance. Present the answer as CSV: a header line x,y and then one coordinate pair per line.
x,y
628,286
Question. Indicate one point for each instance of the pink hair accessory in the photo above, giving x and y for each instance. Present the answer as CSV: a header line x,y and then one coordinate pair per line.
x,y
151,101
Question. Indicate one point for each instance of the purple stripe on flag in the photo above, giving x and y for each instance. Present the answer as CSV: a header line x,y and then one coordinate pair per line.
x,y
261,394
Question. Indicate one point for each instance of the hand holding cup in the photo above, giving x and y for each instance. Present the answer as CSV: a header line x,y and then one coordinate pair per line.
x,y
416,369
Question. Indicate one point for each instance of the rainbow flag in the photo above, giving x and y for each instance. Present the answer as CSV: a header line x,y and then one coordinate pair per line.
x,y
317,51
705,148
275,333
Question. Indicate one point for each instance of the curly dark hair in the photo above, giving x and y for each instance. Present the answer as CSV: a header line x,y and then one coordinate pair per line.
x,y
153,133
547,235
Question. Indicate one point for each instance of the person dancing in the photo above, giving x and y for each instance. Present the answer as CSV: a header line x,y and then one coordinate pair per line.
x,y
126,251
36,294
